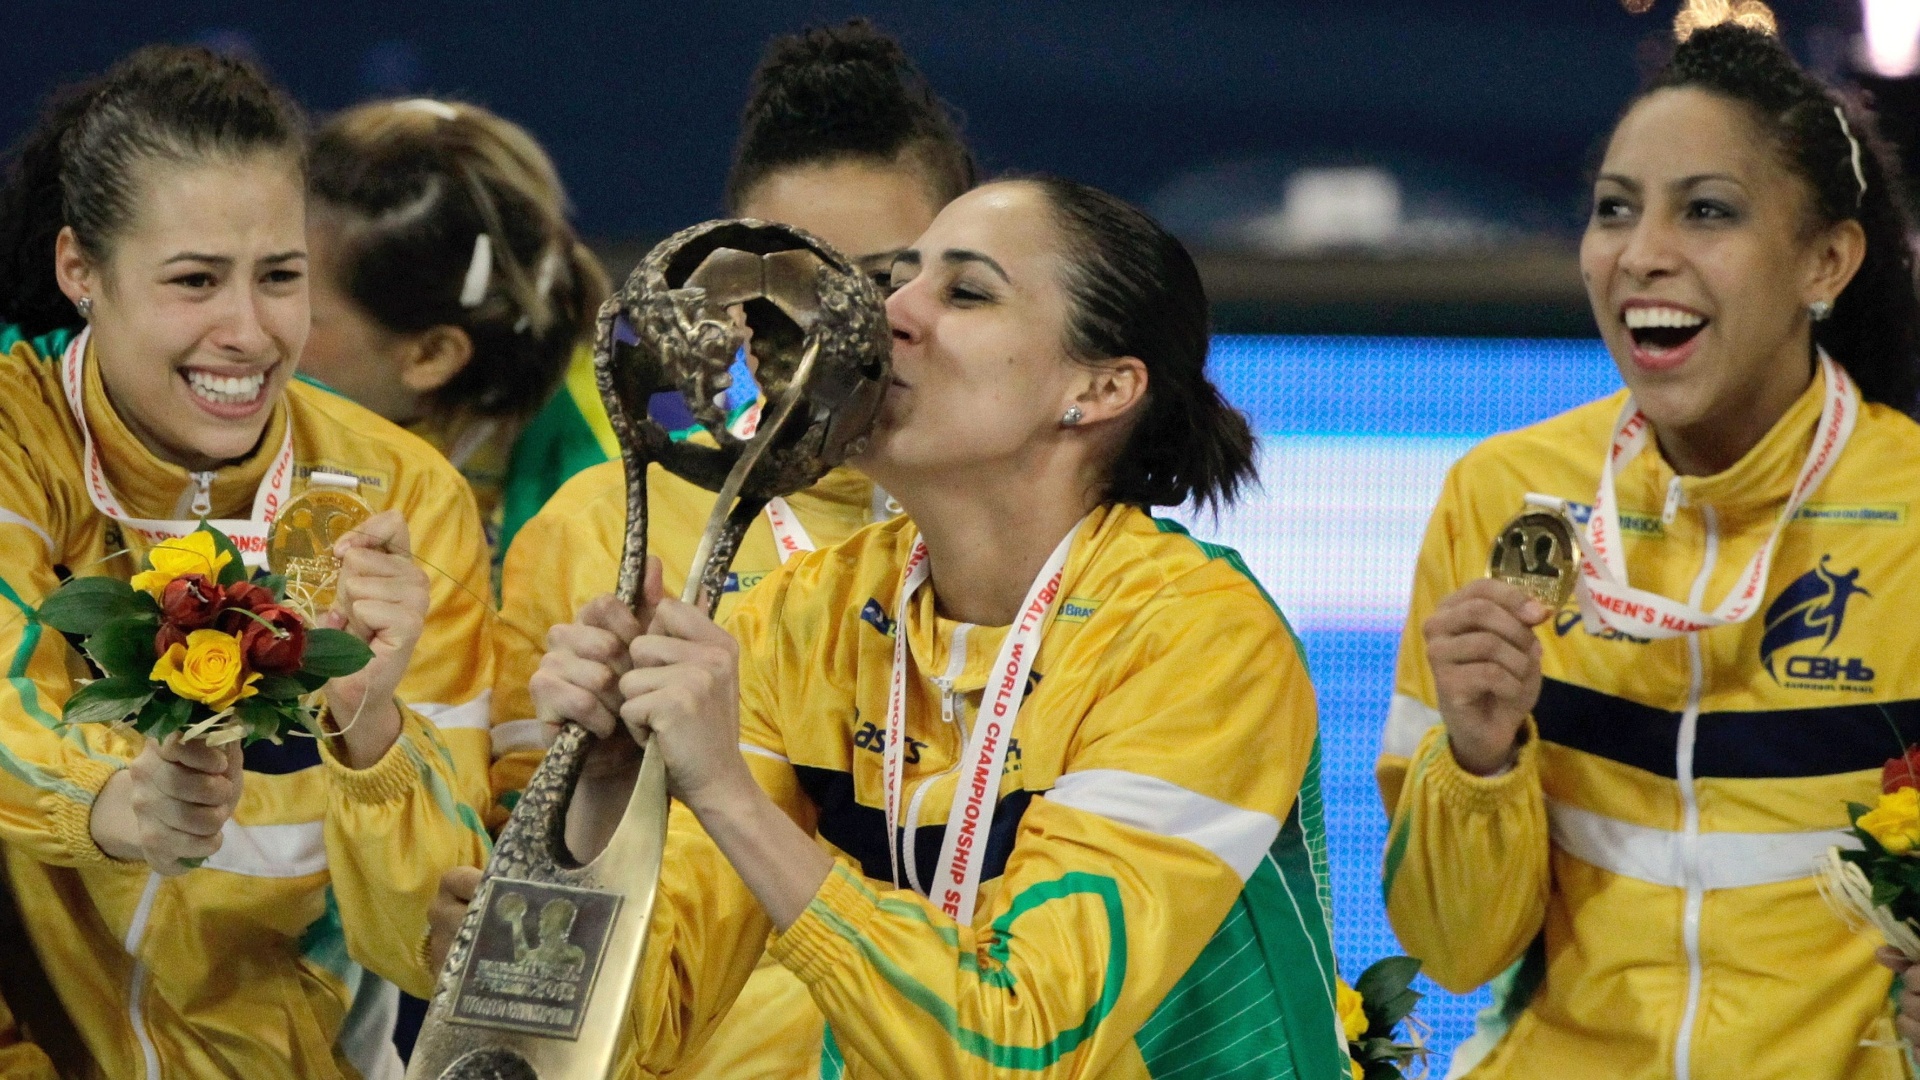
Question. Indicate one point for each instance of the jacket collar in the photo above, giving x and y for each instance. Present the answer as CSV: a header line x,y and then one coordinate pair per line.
x,y
150,487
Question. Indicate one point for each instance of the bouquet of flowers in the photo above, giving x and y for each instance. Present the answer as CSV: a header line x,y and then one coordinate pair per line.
x,y
1878,884
1371,1009
191,645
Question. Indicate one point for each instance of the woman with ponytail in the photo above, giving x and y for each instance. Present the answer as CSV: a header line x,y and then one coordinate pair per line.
x,y
211,910
1614,813
1026,779
843,137
450,295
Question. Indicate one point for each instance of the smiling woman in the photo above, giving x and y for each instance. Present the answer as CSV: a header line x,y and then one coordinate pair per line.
x,y
1628,808
155,282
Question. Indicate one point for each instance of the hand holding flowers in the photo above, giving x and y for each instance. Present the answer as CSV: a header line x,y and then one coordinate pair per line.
x,y
199,660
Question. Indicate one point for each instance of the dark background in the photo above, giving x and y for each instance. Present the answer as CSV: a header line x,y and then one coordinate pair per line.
x,y
1485,114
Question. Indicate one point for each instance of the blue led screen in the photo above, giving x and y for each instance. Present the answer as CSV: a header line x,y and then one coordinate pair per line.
x,y
1356,435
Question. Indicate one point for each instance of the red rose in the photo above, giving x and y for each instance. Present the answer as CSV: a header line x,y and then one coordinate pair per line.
x,y
242,597
169,636
275,641
191,601
1901,772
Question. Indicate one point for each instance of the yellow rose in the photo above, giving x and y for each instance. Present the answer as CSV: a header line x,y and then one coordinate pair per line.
x,y
1352,1008
1358,1072
194,553
209,668
1896,821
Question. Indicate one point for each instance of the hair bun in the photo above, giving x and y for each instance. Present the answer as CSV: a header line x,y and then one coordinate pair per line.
x,y
843,88
1700,14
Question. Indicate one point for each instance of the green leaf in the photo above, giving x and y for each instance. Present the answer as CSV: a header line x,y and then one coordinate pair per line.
x,y
1384,1016
124,648
236,569
333,653
84,605
104,701
264,719
1387,978
281,688
275,584
309,680
164,715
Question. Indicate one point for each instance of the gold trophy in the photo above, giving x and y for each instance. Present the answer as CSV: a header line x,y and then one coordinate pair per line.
x,y
1536,552
541,974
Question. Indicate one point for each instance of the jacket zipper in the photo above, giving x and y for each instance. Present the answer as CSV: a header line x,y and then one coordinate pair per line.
x,y
953,712
137,984
202,494
1689,801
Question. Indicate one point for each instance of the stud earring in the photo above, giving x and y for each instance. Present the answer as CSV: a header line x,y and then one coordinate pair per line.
x,y
1072,416
1820,309
85,304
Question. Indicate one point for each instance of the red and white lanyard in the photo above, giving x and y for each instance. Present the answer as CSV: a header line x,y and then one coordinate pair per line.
x,y
789,536
248,534
1607,601
977,794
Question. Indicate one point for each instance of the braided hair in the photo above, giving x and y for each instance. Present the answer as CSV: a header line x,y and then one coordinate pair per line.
x,y
849,91
1834,146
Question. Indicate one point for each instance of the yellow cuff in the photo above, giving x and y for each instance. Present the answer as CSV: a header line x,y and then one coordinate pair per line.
x,y
72,820
810,947
390,779
1462,788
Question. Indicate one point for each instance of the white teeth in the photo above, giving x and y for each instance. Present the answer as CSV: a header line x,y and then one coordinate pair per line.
x,y
1644,318
227,389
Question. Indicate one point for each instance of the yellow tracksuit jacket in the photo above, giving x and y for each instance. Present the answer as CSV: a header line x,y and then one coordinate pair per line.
x,y
248,965
1650,853
1154,901
568,554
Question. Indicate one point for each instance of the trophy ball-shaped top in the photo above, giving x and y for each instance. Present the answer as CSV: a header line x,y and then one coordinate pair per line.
x,y
713,330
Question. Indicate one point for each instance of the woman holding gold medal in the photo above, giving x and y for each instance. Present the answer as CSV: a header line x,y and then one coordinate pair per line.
x,y
1083,836
842,137
1620,807
160,213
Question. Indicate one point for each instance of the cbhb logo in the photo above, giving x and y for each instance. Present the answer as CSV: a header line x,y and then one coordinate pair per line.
x,y
1813,607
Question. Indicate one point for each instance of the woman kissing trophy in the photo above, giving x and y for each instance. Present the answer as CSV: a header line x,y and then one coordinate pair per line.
x,y
538,980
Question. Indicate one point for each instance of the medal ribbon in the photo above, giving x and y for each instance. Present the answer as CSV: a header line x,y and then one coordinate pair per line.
x,y
789,536
247,534
1608,601
977,794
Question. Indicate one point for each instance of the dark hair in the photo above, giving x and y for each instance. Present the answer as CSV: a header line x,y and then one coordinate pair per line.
x,y
845,92
418,183
1874,331
76,167
1133,290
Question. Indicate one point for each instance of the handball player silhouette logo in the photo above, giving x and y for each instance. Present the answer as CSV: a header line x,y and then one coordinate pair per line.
x,y
1813,606
811,330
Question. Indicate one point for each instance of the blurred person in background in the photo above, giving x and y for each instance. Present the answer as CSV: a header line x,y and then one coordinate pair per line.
x,y
153,279
451,296
842,137
1617,820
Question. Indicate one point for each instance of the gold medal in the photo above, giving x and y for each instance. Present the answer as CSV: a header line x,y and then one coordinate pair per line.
x,y
300,545
1536,552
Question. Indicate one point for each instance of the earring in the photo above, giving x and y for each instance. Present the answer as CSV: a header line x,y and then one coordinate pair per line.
x,y
85,304
1820,309
1072,416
